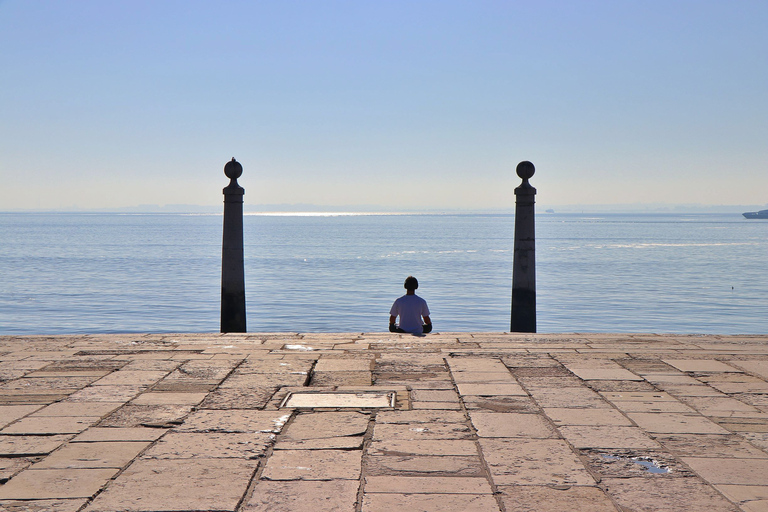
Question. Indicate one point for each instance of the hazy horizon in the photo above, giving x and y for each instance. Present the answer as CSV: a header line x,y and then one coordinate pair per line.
x,y
410,106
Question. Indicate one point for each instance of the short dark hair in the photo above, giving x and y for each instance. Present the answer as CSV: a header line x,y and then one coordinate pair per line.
x,y
411,283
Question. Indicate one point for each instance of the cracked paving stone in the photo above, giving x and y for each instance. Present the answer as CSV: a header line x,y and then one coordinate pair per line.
x,y
234,421
319,425
635,463
422,465
147,415
424,447
231,398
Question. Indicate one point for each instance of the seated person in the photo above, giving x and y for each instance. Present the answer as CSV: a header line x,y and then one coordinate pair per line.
x,y
411,309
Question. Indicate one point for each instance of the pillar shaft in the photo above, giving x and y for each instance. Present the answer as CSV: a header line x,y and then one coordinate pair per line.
x,y
232,262
524,266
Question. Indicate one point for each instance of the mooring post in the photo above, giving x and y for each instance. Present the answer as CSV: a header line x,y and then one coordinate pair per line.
x,y
524,266
232,263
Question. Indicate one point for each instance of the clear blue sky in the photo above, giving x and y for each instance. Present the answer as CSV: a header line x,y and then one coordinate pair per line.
x,y
405,104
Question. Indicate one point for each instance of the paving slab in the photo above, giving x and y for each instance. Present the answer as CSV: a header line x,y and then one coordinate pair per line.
x,y
72,505
46,425
729,470
669,423
561,416
541,498
421,431
607,437
423,465
318,425
292,496
665,495
233,421
108,454
196,445
711,445
426,485
171,485
423,447
533,462
530,426
39,484
313,465
441,502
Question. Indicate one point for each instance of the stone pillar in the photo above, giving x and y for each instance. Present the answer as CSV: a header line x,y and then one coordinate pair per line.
x,y
232,264
524,266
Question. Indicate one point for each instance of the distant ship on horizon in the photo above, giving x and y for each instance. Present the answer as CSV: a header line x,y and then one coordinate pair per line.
x,y
762,214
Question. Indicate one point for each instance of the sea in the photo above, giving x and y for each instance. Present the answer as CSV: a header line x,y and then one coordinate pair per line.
x,y
75,273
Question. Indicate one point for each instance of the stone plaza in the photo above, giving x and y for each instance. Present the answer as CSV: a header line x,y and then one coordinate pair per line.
x,y
377,422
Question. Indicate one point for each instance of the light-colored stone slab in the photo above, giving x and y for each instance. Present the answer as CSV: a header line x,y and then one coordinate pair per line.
x,y
533,462
482,377
665,495
318,425
744,493
67,408
424,447
100,434
492,424
426,485
723,407
18,446
423,465
653,406
436,502
757,367
51,425
407,417
146,415
189,445
234,421
131,378
325,443
93,455
420,431
607,437
711,445
72,505
434,395
169,398
639,396
340,400
566,416
10,413
604,374
730,471
292,496
119,394
491,389
326,364
538,498
670,423
700,365
313,465
172,485
574,397
36,484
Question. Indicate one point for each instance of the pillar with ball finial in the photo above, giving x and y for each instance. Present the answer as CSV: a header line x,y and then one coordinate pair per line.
x,y
232,263
524,265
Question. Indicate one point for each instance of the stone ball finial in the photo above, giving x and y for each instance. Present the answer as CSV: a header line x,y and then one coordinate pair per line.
x,y
525,170
233,169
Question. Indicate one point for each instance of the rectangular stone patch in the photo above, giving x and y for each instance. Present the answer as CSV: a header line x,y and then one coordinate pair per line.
x,y
385,400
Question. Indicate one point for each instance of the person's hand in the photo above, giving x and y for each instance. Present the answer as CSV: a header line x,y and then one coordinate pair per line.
x,y
426,328
392,328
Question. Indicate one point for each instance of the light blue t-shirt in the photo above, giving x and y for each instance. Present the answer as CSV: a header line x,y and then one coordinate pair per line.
x,y
410,309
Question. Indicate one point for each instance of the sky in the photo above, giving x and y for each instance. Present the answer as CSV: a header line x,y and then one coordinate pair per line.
x,y
426,104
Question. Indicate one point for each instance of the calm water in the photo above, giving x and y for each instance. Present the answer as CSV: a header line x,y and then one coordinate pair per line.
x,y
99,273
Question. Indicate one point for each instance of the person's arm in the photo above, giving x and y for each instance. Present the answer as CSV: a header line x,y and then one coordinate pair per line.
x,y
427,324
392,327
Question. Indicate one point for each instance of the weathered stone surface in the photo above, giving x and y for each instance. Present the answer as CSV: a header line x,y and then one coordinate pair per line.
x,y
668,423
119,394
424,447
99,434
93,455
173,485
491,389
146,415
329,364
72,505
423,465
234,398
700,365
491,424
418,431
729,470
67,408
607,437
407,417
665,494
131,378
711,445
10,413
234,420
566,416
501,404
575,397
540,498
187,445
45,425
426,485
675,406
533,462
38,484
11,466
442,502
18,446
167,398
313,465
292,496
622,463
318,425
604,374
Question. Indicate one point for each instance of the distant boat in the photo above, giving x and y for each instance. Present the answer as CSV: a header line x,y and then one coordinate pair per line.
x,y
762,214
550,211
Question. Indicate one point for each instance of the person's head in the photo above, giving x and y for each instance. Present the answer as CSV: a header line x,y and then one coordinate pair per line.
x,y
411,283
